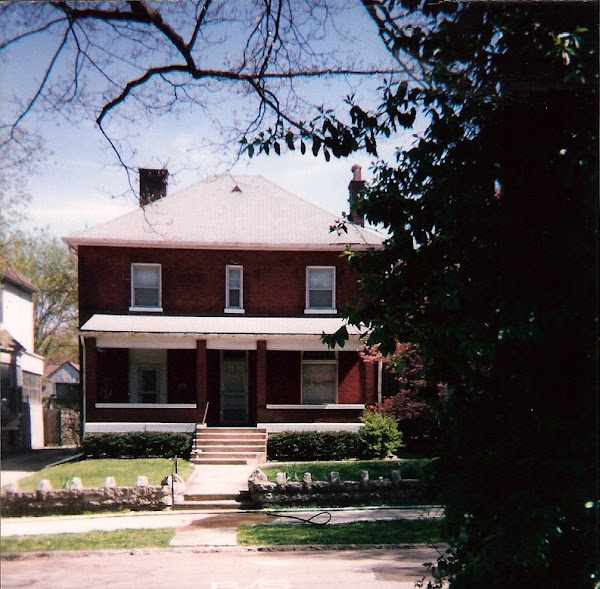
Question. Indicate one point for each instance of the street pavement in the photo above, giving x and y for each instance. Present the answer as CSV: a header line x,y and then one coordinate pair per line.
x,y
388,568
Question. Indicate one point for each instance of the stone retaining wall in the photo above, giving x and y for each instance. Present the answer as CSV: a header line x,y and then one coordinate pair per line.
x,y
333,492
76,499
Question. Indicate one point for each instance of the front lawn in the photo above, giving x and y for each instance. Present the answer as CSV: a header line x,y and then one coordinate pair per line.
x,y
383,532
93,472
417,468
95,540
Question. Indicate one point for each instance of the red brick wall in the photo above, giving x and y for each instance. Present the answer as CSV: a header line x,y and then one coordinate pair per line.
x,y
113,380
193,281
350,378
181,376
284,377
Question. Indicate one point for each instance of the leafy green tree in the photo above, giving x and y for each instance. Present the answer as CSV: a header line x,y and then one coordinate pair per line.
x,y
52,268
491,269
379,436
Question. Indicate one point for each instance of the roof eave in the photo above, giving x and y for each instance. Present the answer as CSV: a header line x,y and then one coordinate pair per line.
x,y
87,242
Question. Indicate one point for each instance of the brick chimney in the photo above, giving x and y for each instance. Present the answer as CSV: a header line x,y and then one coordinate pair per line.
x,y
153,185
356,188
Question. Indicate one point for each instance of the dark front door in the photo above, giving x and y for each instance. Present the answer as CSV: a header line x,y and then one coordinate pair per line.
x,y
234,388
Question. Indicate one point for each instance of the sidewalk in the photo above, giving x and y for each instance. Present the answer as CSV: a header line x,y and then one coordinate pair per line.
x,y
19,466
204,528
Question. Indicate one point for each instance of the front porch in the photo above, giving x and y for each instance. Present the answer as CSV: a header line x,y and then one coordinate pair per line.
x,y
277,375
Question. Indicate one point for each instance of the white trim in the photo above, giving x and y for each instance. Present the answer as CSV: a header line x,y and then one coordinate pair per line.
x,y
77,241
305,345
145,406
324,406
320,311
234,310
308,309
274,428
283,343
145,341
115,427
146,309
135,307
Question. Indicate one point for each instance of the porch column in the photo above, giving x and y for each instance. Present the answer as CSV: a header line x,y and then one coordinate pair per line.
x,y
201,379
370,383
261,375
90,376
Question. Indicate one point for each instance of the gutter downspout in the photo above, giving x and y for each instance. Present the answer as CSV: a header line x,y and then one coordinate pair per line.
x,y
379,381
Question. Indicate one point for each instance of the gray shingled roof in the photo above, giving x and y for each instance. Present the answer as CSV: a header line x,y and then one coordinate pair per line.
x,y
234,212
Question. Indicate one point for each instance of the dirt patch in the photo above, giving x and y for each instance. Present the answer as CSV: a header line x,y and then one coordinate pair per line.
x,y
229,520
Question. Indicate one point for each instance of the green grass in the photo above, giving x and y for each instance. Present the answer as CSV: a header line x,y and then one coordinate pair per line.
x,y
93,472
117,540
384,532
350,469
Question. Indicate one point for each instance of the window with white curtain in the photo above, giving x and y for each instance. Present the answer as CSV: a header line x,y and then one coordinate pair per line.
x,y
319,378
146,286
320,289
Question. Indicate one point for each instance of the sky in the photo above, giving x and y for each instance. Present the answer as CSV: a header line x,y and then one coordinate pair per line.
x,y
81,184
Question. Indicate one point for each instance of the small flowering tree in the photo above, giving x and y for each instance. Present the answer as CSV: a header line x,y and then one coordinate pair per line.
x,y
416,403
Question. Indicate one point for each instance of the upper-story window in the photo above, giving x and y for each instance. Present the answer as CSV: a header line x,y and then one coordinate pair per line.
x,y
234,289
320,289
146,291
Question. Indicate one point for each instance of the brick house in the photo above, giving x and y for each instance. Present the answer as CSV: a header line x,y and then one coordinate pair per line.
x,y
208,305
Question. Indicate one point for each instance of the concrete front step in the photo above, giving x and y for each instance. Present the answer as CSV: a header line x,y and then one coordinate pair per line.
x,y
218,461
213,505
219,446
229,445
233,431
217,501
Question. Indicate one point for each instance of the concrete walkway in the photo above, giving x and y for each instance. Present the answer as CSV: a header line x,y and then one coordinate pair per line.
x,y
219,479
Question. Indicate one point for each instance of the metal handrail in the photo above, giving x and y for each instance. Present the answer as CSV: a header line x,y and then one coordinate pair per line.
x,y
174,466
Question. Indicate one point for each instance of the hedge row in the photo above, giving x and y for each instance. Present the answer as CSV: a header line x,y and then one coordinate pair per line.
x,y
137,445
311,446
377,438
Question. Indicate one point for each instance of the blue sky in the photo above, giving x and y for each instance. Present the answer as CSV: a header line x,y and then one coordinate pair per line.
x,y
81,184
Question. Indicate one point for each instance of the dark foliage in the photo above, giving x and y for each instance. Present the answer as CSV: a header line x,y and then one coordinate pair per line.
x,y
491,270
137,445
309,446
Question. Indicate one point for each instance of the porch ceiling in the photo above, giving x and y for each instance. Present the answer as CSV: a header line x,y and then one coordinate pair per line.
x,y
214,326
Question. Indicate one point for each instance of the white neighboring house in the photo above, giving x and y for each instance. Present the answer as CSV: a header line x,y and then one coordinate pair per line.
x,y
21,369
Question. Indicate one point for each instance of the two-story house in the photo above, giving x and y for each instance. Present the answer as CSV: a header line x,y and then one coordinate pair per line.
x,y
20,367
208,305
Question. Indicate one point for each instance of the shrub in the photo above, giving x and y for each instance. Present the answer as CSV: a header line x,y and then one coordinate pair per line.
x,y
137,445
379,437
310,446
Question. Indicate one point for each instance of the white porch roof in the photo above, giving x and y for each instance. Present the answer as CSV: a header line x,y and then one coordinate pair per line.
x,y
234,333
207,326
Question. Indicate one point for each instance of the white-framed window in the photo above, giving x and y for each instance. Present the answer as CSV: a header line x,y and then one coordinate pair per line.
x,y
147,376
319,378
234,289
146,287
320,289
